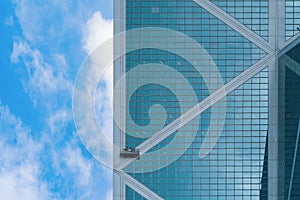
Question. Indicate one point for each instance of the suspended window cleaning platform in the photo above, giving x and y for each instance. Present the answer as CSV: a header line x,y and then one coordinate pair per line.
x,y
130,152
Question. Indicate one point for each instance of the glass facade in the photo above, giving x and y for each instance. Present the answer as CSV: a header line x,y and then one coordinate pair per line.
x,y
254,14
234,168
292,18
289,84
237,166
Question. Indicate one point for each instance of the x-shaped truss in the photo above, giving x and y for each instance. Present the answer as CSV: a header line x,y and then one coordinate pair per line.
x,y
276,46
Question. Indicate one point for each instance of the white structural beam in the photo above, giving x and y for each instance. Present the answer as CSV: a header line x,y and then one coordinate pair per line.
x,y
293,40
137,186
290,63
199,108
119,70
273,131
291,43
235,25
118,187
273,102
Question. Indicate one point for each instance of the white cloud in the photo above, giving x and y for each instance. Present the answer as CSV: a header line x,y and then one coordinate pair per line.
x,y
22,183
78,165
50,20
46,79
58,120
42,79
22,165
19,169
104,108
20,48
96,31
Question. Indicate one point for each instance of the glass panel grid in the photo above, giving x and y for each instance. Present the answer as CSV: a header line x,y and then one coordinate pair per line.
x,y
292,18
252,13
236,168
238,158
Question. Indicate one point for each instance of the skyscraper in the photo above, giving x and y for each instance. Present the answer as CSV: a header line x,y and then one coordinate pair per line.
x,y
206,99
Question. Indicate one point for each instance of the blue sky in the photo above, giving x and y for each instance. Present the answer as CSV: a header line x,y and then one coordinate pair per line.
x,y
42,44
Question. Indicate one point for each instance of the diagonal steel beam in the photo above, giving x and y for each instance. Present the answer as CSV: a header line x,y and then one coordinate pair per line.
x,y
290,63
137,186
198,109
294,161
291,43
235,25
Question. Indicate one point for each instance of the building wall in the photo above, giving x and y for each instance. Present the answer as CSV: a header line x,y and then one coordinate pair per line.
x,y
238,166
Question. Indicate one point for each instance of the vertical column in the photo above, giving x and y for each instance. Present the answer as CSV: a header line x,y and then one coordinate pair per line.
x,y
273,95
276,41
119,70
277,24
280,13
273,132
